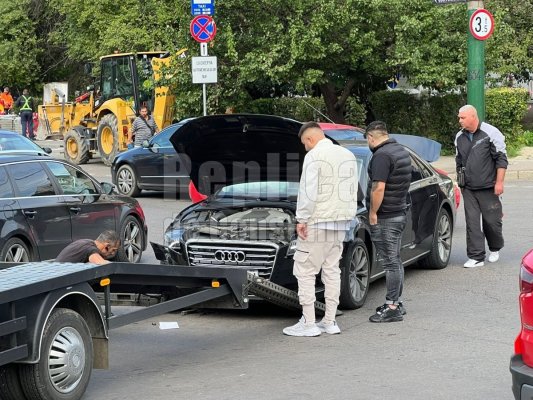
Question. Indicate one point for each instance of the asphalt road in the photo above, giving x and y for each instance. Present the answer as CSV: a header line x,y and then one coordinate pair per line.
x,y
454,343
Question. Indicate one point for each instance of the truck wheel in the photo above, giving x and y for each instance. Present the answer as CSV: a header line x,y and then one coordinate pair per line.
x,y
127,181
441,246
66,359
76,147
107,138
15,250
10,388
355,276
131,235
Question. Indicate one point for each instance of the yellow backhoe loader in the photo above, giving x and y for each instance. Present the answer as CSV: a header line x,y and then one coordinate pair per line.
x,y
97,123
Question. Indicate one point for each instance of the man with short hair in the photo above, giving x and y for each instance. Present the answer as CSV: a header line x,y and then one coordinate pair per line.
x,y
91,251
481,156
26,106
143,128
327,203
389,175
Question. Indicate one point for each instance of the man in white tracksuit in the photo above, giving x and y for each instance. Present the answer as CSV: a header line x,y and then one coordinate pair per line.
x,y
327,203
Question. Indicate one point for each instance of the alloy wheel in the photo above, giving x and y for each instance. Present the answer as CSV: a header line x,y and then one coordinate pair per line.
x,y
358,273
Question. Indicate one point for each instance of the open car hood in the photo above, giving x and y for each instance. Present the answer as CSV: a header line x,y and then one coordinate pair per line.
x,y
221,150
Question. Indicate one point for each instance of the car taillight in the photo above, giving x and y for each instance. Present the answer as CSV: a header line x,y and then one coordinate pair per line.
x,y
518,346
526,273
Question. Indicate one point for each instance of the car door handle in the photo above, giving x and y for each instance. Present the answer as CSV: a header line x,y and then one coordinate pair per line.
x,y
75,210
30,214
433,196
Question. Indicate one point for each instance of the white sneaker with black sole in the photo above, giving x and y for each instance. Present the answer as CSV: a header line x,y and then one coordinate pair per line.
x,y
473,263
302,329
332,328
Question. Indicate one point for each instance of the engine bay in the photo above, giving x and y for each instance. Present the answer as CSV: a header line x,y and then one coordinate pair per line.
x,y
257,223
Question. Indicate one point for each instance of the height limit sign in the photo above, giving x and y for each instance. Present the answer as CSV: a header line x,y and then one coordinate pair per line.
x,y
204,70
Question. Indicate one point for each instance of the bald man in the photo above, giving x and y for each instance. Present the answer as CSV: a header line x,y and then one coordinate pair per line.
x,y
327,203
481,155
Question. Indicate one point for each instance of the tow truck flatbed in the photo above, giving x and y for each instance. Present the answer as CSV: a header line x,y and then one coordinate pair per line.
x,y
53,329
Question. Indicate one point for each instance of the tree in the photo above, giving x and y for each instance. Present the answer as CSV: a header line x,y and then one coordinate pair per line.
x,y
18,47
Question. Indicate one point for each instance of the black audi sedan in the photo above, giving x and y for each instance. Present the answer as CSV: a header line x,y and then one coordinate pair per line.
x,y
45,204
250,166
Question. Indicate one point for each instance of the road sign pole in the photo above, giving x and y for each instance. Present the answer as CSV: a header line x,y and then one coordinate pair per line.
x,y
204,90
476,66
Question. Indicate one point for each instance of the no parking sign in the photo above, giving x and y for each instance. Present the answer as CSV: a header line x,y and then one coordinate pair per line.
x,y
203,28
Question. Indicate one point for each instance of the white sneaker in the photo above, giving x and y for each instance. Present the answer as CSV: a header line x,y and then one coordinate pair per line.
x,y
473,263
302,329
494,256
331,328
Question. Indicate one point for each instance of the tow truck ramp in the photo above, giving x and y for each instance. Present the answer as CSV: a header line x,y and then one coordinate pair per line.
x,y
43,304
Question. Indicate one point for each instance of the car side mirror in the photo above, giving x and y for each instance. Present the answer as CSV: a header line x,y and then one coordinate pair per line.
x,y
145,144
47,150
107,187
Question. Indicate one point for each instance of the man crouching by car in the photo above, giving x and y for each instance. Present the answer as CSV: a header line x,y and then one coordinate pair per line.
x,y
327,202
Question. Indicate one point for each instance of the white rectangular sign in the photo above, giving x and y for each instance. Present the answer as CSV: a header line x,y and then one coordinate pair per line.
x,y
204,70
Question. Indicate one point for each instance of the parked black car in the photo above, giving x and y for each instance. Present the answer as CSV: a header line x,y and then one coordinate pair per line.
x,y
154,166
14,143
250,165
45,204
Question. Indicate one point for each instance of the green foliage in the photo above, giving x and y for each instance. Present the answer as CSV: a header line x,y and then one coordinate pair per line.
x,y
528,138
434,117
505,109
18,47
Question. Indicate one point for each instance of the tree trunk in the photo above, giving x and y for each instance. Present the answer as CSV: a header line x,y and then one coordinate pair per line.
x,y
336,105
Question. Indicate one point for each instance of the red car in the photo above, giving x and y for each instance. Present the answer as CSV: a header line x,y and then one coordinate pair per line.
x,y
522,360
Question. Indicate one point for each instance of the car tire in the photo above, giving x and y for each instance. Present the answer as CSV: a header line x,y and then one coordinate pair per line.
x,y
132,239
10,387
76,147
355,276
441,247
107,138
15,250
67,347
127,181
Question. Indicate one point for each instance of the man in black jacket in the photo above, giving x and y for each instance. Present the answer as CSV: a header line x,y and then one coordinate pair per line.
x,y
481,156
389,174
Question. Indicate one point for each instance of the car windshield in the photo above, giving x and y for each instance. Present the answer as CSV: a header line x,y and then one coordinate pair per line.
x,y
13,143
274,190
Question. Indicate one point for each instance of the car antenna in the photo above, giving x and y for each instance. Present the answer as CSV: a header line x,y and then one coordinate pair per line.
x,y
318,111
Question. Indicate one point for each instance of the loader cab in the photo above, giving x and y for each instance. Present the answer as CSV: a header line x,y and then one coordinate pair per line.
x,y
129,77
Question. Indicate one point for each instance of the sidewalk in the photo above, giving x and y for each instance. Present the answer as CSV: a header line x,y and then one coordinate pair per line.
x,y
520,167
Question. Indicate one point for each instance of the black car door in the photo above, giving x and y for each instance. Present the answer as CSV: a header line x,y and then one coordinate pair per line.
x,y
90,212
161,168
12,221
423,210
46,214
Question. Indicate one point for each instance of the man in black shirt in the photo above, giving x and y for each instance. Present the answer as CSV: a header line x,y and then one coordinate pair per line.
x,y
91,251
389,179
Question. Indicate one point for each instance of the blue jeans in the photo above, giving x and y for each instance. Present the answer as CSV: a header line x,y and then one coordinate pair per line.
x,y
387,237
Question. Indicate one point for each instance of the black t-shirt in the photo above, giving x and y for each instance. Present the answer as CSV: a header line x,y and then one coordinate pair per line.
x,y
78,251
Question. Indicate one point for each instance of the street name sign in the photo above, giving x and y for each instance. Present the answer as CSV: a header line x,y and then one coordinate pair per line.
x,y
204,70
202,7
481,24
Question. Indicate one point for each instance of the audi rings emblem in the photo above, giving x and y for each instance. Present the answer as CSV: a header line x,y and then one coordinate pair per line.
x,y
230,256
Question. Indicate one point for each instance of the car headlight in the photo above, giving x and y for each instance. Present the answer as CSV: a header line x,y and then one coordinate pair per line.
x,y
292,248
172,238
